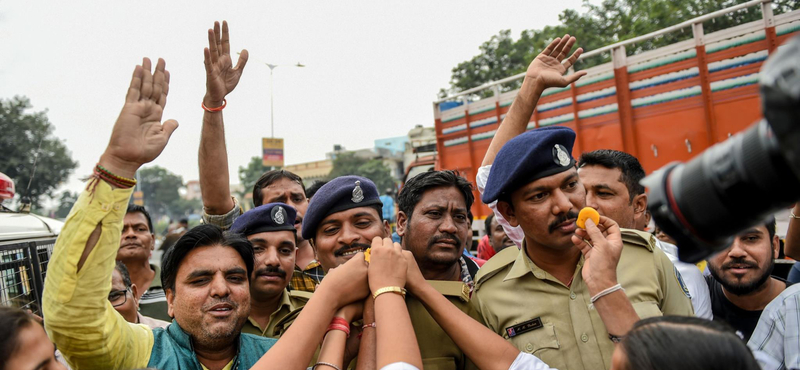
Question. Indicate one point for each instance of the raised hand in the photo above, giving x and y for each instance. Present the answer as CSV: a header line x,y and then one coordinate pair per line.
x,y
549,67
387,267
601,246
221,76
414,278
139,136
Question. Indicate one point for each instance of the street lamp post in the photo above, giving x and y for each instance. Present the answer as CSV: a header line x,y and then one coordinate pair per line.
x,y
271,94
271,101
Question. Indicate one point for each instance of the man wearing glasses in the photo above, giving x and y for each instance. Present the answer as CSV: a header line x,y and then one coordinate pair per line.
x,y
123,298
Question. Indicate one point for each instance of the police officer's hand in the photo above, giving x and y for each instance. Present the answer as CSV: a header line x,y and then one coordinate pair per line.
x,y
221,76
139,136
601,246
387,267
414,278
346,283
548,69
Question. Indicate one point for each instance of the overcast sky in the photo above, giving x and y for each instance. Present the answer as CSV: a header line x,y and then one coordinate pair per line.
x,y
373,67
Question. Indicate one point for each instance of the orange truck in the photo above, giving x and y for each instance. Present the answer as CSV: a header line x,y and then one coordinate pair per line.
x,y
662,105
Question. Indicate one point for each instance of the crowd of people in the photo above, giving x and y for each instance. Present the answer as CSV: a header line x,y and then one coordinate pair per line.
x,y
315,280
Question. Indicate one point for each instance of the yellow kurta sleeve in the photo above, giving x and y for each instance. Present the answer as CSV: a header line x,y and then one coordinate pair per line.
x,y
77,314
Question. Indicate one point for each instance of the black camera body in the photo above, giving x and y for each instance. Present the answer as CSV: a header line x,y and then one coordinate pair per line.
x,y
742,181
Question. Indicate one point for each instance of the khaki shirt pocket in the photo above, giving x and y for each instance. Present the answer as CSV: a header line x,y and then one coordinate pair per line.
x,y
647,309
439,363
541,342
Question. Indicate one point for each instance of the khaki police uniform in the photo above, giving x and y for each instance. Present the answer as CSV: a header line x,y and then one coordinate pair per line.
x,y
292,303
438,351
541,315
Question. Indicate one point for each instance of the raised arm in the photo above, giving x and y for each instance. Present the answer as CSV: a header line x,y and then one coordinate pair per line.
x,y
547,70
342,285
484,347
396,340
78,315
221,79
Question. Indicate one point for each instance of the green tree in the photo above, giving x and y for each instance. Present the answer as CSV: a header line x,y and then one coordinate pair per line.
x,y
373,169
27,137
598,25
65,203
161,193
251,173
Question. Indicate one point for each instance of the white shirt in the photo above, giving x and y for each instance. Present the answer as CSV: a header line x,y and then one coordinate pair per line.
x,y
695,283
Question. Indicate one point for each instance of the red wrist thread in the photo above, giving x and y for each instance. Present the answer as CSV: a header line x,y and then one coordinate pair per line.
x,y
339,323
217,109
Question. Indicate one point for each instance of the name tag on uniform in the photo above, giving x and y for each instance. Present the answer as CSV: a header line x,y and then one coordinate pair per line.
x,y
524,327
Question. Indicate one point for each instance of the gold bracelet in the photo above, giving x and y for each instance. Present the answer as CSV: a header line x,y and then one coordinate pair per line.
x,y
794,216
389,289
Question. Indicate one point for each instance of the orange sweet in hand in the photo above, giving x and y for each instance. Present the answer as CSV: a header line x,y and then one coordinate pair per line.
x,y
366,254
585,214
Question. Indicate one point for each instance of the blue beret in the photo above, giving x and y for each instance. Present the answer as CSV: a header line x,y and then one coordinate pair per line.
x,y
266,218
339,194
528,157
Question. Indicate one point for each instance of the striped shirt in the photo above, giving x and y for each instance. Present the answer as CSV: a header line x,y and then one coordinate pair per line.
x,y
776,341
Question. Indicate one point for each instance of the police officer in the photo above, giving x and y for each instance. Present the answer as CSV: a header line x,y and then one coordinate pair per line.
x,y
270,228
568,295
342,219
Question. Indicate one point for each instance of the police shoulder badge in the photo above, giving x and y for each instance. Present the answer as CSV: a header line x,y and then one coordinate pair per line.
x,y
681,282
358,194
278,215
560,155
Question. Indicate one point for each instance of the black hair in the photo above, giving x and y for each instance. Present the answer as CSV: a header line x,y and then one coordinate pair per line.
x,y
770,225
12,321
133,208
487,223
203,236
123,271
183,221
632,171
416,186
268,178
702,344
314,188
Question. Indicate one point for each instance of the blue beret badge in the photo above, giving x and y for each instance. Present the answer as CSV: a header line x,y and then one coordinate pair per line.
x,y
358,194
278,215
560,155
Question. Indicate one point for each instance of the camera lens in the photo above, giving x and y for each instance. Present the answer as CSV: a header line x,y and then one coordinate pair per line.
x,y
731,186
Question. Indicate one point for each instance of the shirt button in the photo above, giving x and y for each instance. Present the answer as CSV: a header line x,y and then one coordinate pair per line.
x,y
572,295
529,347
584,338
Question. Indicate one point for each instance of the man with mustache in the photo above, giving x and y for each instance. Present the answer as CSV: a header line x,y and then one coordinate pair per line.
x,y
276,186
271,230
346,214
740,284
135,247
434,224
612,181
205,275
568,295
